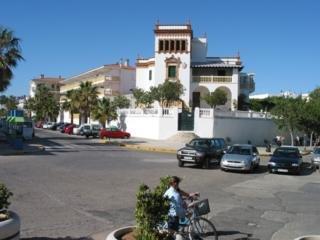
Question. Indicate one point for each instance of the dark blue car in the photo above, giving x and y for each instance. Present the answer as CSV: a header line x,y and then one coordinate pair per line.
x,y
285,160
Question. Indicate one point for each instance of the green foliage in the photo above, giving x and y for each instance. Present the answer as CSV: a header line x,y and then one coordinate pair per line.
x,y
138,95
262,104
10,54
5,194
9,103
151,211
44,104
121,102
218,97
104,111
72,102
88,96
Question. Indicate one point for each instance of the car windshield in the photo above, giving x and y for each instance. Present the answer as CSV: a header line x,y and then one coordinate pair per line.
x,y
201,143
286,152
95,127
317,151
239,150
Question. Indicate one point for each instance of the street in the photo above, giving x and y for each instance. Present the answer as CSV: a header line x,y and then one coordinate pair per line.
x,y
78,187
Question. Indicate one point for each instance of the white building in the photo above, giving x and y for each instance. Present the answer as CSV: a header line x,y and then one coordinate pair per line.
x,y
52,83
181,57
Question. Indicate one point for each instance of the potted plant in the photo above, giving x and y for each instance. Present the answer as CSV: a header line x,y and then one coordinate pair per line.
x,y
9,221
151,211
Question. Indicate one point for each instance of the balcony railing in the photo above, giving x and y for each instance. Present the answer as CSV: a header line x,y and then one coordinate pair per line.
x,y
212,79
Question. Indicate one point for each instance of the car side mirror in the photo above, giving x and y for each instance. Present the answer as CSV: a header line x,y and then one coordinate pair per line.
x,y
254,154
188,145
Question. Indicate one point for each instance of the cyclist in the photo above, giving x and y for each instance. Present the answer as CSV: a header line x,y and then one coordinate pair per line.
x,y
177,208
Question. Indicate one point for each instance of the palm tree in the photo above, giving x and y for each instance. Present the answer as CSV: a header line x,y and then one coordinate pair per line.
x,y
104,111
72,103
10,54
88,96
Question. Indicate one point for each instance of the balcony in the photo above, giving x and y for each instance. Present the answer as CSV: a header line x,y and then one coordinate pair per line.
x,y
212,79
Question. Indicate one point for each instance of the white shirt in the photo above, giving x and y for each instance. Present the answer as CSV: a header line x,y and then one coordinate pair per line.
x,y
176,203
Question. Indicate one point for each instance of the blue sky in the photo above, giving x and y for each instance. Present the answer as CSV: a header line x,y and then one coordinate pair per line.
x,y
278,40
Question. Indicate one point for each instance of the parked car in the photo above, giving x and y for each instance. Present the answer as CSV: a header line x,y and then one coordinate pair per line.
x,y
47,125
113,132
315,159
76,130
285,159
56,126
243,157
90,130
69,128
39,124
202,151
63,127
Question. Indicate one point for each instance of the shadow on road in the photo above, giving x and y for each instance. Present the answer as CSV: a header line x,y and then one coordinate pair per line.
x,y
246,236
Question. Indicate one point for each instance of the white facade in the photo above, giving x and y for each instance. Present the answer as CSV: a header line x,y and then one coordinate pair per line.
x,y
178,56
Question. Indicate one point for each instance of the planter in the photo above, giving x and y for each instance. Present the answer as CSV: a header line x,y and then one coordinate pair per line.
x,y
309,237
116,234
10,228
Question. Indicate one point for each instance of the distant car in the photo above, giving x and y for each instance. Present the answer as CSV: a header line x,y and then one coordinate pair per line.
x,y
56,126
48,125
69,129
113,132
315,159
90,130
61,126
202,151
39,124
64,127
243,157
76,130
285,159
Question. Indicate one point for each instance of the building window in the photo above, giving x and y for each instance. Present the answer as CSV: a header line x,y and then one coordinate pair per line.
x,y
161,45
221,72
166,47
150,74
172,45
183,45
172,73
178,45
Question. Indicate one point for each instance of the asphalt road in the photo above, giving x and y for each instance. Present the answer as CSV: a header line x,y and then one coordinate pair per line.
x,y
79,186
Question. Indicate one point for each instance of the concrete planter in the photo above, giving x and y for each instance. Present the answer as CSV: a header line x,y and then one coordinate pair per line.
x,y
116,234
10,229
309,237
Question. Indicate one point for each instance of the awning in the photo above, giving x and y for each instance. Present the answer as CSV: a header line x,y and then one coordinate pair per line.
x,y
16,120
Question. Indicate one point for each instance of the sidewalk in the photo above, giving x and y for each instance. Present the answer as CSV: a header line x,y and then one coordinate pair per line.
x,y
7,150
169,146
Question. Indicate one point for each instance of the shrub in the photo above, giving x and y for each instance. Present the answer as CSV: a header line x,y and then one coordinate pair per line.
x,y
151,211
5,194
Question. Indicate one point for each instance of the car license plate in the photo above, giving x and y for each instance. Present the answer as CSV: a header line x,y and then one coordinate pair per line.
x,y
187,158
282,170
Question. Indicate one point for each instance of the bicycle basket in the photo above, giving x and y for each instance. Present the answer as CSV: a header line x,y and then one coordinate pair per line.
x,y
202,207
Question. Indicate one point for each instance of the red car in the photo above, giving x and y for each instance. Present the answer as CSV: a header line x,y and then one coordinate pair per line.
x,y
69,129
39,124
113,132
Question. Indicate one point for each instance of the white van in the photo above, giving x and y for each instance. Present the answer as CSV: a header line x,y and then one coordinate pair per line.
x,y
28,130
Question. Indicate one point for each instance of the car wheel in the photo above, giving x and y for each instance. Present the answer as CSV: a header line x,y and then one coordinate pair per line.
x,y
126,137
180,163
87,136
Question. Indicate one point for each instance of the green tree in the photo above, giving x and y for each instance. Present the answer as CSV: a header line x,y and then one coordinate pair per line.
x,y
287,114
218,97
121,102
10,54
262,104
88,96
167,93
72,103
44,104
8,103
138,94
104,111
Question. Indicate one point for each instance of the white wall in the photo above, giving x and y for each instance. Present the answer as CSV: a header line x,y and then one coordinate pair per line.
x,y
152,125
142,78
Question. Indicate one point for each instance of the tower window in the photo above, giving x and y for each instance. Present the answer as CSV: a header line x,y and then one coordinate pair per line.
x,y
150,74
178,45
166,45
183,45
171,45
221,72
160,45
172,72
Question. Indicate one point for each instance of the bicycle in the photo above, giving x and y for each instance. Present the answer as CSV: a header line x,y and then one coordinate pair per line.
x,y
194,226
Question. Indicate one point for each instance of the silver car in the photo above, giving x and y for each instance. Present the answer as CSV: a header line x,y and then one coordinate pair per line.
x,y
315,159
243,157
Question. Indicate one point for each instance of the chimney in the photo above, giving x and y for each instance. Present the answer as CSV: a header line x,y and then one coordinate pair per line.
x,y
126,62
42,75
120,62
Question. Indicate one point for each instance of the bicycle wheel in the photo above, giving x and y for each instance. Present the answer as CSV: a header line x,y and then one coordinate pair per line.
x,y
202,228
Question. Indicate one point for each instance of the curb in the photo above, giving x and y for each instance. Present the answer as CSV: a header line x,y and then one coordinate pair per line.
x,y
148,148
